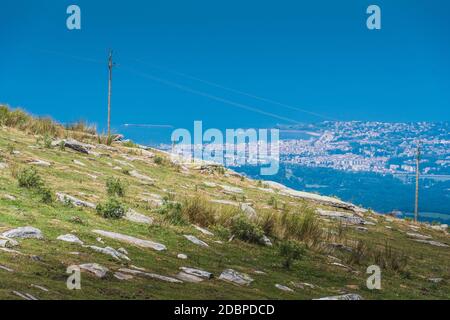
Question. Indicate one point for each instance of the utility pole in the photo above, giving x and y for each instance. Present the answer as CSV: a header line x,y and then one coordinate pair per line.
x,y
110,66
416,207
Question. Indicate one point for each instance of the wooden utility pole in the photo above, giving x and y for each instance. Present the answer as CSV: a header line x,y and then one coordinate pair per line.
x,y
110,66
416,206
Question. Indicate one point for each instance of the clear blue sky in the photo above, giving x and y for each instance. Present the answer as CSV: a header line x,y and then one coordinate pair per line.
x,y
315,55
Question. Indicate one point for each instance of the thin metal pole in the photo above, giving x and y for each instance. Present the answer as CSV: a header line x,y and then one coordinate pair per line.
x,y
110,66
416,206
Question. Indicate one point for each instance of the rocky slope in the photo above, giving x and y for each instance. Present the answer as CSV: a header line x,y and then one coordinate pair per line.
x,y
152,253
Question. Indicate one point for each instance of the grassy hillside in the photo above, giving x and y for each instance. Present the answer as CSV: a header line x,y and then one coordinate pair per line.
x,y
329,254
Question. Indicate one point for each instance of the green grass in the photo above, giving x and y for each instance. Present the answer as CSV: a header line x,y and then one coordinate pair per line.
x,y
311,264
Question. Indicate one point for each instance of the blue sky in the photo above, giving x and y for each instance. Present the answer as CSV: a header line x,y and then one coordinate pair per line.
x,y
313,55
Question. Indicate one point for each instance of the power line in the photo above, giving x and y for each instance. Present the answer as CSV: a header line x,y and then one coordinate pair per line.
x,y
210,96
250,95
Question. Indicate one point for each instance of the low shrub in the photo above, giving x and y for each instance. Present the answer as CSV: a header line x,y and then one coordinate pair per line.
x,y
29,178
115,187
290,251
111,209
158,160
45,194
243,229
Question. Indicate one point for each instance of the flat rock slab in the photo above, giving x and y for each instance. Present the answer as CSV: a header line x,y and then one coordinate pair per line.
x,y
142,178
9,197
182,256
8,243
74,145
350,296
203,230
195,240
39,162
62,197
188,277
341,216
70,238
433,243
233,276
6,268
132,240
283,288
150,275
418,236
197,272
25,296
94,268
137,217
24,233
111,252
230,189
39,287
123,276
79,163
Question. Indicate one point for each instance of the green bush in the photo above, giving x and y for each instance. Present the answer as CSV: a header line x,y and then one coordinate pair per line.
x,y
115,187
29,178
222,232
158,160
46,195
290,251
111,209
242,228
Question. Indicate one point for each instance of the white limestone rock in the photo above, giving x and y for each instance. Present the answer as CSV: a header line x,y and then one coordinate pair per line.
x,y
24,233
196,241
70,238
283,288
142,178
349,296
233,276
98,270
131,240
197,272
62,197
203,230
149,275
133,216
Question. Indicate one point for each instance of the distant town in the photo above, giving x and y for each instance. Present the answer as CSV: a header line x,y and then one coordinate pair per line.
x,y
354,146
386,148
